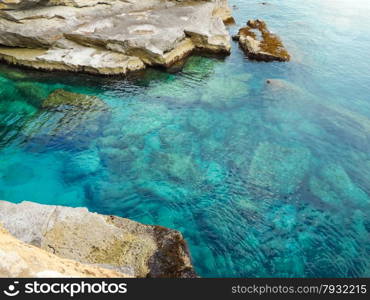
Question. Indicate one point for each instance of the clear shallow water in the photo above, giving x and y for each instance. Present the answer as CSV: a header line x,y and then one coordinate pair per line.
x,y
261,180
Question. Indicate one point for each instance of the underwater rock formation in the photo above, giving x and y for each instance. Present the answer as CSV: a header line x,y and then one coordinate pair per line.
x,y
61,100
18,259
277,168
260,44
113,242
112,37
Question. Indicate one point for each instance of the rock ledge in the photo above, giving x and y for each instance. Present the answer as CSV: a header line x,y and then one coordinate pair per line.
x,y
260,44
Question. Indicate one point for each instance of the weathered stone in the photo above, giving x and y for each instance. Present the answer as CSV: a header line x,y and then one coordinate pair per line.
x,y
260,44
16,4
33,92
12,175
18,259
278,169
61,100
112,37
75,233
334,186
178,166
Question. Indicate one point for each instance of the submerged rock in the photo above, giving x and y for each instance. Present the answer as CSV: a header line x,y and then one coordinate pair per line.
x,y
146,117
61,100
226,92
201,121
33,92
120,244
334,186
11,175
112,37
260,44
16,4
81,165
63,116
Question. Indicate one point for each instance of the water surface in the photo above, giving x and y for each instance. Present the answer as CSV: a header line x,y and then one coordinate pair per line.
x,y
262,180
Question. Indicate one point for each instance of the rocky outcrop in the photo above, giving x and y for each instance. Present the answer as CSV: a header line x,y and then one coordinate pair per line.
x,y
260,44
18,259
61,100
120,244
110,37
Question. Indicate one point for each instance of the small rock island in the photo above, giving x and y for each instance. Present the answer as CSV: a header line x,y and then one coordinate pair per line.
x,y
75,242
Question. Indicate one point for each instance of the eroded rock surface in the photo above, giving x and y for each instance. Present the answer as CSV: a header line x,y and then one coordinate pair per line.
x,y
110,37
61,100
18,259
260,44
121,244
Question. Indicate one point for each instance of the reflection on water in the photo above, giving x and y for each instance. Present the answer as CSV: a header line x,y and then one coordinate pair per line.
x,y
262,179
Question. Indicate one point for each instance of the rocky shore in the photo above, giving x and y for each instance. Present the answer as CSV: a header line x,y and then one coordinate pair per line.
x,y
65,242
110,37
260,44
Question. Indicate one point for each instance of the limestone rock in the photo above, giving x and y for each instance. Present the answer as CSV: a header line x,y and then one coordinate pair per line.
x,y
73,58
18,259
62,100
260,44
113,37
121,244
16,4
278,169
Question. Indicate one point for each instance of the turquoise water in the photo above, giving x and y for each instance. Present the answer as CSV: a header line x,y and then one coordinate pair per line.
x,y
262,180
